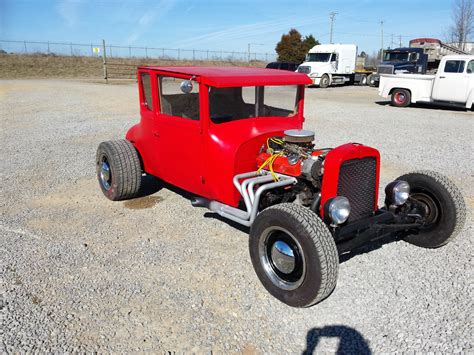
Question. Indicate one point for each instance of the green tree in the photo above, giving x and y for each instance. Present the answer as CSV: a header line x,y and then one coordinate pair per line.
x,y
293,48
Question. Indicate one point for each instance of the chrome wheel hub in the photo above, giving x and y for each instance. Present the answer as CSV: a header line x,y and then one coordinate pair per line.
x,y
282,258
105,174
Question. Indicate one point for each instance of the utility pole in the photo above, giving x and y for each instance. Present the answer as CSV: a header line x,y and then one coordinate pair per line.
x,y
400,38
332,16
381,49
391,41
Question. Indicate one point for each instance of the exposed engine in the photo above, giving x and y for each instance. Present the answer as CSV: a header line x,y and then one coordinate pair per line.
x,y
294,155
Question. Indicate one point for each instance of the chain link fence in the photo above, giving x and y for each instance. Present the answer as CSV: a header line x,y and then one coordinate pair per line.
x,y
113,51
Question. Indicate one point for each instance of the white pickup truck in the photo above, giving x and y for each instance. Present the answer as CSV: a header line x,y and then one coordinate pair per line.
x,y
453,84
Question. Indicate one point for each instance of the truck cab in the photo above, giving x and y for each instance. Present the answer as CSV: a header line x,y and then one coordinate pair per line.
x,y
330,64
401,61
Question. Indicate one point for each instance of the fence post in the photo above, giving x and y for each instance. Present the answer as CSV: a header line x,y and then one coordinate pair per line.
x,y
104,57
25,47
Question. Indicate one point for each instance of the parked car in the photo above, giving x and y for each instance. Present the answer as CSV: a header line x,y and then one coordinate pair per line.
x,y
282,66
221,135
453,84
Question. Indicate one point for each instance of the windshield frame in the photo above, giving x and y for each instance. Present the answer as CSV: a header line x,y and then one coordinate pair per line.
x,y
258,104
406,56
323,57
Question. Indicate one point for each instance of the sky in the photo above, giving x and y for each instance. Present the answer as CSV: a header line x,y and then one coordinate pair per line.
x,y
222,25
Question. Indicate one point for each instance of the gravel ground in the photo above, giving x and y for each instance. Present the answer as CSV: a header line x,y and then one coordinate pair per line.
x,y
79,272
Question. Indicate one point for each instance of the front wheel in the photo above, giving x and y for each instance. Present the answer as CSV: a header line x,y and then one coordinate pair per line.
x,y
324,82
440,204
294,254
401,98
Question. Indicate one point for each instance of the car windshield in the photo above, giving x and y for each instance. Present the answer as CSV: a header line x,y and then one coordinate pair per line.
x,y
318,57
395,57
236,103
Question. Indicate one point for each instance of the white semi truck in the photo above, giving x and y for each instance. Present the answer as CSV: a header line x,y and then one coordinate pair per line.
x,y
333,64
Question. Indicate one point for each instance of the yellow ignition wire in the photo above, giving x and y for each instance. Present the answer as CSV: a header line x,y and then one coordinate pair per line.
x,y
270,160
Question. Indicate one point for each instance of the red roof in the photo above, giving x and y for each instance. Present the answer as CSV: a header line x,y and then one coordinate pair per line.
x,y
237,76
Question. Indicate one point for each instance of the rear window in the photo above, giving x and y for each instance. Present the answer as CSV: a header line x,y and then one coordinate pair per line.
x,y
146,85
454,66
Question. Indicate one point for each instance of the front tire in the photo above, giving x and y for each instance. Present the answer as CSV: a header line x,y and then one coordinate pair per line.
x,y
401,98
442,207
294,254
118,169
325,81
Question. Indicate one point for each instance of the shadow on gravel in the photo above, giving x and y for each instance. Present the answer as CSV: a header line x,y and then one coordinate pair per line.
x,y
428,106
350,340
367,248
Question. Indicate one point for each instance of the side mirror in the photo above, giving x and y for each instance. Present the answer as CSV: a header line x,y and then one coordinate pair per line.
x,y
186,86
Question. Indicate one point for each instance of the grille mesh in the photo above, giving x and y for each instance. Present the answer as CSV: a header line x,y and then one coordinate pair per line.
x,y
385,69
357,181
304,69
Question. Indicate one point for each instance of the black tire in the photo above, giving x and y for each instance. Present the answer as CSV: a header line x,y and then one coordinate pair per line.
x,y
316,263
401,98
123,179
325,81
444,207
369,79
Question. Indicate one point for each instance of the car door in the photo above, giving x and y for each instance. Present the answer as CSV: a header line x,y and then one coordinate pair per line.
x,y
451,82
178,133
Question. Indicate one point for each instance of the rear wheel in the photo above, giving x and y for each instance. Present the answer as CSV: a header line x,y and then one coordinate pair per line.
x,y
441,205
324,82
401,98
118,169
369,80
294,254
363,80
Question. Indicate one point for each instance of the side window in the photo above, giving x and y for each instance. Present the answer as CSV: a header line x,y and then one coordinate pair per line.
x,y
284,66
333,57
146,85
454,66
470,67
174,102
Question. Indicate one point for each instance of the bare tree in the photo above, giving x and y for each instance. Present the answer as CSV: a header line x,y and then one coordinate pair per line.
x,y
463,18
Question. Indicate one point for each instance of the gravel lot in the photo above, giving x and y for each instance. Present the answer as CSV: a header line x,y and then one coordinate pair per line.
x,y
79,272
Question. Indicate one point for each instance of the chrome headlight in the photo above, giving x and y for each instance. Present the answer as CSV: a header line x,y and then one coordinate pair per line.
x,y
397,193
338,209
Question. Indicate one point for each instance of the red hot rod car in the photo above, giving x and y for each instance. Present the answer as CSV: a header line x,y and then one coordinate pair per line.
x,y
233,138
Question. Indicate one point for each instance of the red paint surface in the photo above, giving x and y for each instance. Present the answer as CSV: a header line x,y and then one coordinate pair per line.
x,y
333,162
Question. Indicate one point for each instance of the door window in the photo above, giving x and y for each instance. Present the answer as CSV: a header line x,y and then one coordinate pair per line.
x,y
146,86
454,66
174,102
470,67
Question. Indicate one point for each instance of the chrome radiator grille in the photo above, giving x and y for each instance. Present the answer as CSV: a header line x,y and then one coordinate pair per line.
x,y
357,182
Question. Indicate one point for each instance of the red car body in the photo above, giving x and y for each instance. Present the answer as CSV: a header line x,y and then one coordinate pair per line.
x,y
221,151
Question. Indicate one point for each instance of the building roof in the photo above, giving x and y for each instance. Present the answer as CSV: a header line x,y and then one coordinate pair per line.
x,y
237,76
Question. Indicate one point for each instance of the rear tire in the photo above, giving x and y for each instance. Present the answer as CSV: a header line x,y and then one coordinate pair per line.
x,y
325,81
444,208
118,169
294,254
401,98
